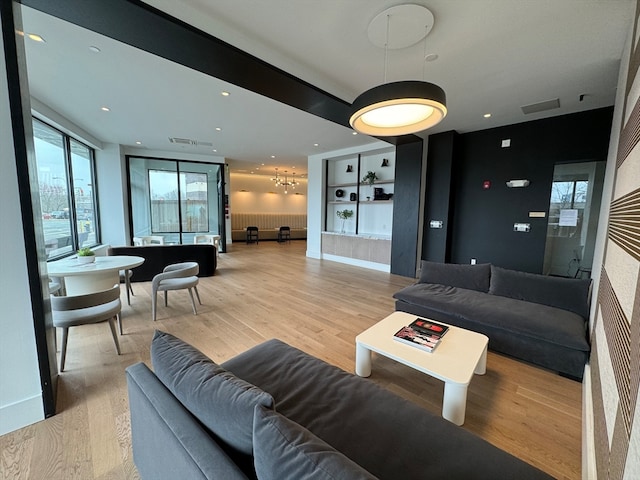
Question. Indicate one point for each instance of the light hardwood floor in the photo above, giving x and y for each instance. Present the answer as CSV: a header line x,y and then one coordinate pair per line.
x,y
267,291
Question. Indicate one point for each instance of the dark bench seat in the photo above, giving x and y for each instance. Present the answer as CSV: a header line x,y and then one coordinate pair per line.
x,y
156,257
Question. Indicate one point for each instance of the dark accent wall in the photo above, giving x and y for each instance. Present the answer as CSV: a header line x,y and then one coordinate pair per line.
x,y
438,207
482,219
406,208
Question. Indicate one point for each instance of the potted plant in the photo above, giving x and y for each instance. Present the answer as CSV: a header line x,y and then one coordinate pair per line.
x,y
86,255
344,215
370,178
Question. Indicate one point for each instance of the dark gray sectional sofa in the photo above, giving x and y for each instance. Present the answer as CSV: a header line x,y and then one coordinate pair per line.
x,y
277,413
537,318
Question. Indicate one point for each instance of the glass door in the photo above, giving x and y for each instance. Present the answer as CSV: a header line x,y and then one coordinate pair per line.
x,y
199,200
175,199
574,207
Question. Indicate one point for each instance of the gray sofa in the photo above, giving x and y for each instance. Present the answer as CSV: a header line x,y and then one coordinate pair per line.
x,y
536,318
274,412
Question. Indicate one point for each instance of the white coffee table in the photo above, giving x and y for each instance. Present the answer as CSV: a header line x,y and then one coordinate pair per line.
x,y
460,354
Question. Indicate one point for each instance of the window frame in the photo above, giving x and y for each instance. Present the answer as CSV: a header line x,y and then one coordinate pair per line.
x,y
71,193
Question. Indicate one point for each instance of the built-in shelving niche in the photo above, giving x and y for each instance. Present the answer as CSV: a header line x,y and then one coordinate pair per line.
x,y
367,234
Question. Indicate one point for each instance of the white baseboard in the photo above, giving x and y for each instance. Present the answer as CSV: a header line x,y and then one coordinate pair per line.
x,y
20,414
588,431
314,254
381,267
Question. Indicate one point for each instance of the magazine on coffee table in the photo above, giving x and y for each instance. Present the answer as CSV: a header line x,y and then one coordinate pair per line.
x,y
416,338
429,327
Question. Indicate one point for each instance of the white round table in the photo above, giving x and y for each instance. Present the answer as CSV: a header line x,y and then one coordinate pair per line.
x,y
92,277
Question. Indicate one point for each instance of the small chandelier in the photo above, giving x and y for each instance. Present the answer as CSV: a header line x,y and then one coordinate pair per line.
x,y
399,108
284,181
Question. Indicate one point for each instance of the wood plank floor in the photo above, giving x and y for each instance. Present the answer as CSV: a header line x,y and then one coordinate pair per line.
x,y
273,291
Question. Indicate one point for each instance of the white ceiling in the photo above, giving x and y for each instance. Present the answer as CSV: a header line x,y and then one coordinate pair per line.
x,y
494,56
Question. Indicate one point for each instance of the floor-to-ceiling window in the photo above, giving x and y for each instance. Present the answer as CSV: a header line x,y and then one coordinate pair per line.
x,y
66,183
175,199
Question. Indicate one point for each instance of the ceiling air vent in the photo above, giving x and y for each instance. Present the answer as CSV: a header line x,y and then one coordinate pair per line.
x,y
182,141
188,141
541,106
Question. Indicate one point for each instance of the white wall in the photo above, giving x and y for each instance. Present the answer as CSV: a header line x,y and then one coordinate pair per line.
x,y
250,193
111,178
20,391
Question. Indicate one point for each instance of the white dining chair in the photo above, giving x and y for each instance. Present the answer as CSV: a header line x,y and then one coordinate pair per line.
x,y
154,240
207,238
73,311
178,276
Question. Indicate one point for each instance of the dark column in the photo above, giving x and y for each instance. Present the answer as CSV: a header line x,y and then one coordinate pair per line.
x,y
438,208
406,208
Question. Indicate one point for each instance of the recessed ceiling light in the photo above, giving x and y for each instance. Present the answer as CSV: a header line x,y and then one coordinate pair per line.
x,y
262,164
431,57
354,133
36,38
138,142
225,94
218,129
215,150
315,144
105,109
487,115
273,156
94,49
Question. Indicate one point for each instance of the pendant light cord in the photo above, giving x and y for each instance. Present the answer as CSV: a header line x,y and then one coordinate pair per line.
x,y
424,56
386,49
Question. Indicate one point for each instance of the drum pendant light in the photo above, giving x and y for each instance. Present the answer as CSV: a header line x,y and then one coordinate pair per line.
x,y
404,107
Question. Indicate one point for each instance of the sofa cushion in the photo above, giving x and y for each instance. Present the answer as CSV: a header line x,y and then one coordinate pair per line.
x,y
385,434
533,320
471,277
216,397
284,449
566,293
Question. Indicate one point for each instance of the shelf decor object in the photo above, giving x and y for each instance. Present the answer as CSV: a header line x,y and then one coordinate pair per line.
x,y
344,215
404,107
370,178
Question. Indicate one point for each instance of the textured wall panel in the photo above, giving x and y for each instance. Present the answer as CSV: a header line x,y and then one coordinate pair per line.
x,y
624,223
616,338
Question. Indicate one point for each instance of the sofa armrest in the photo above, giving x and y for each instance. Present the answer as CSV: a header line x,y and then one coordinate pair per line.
x,y
168,442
